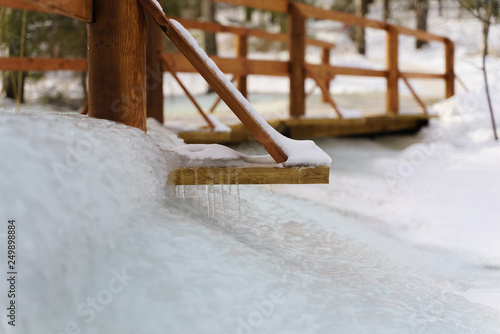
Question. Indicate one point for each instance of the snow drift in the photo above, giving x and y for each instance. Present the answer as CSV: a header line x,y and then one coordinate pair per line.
x,y
104,246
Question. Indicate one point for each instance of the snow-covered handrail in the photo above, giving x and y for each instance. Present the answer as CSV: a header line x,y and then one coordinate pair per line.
x,y
282,149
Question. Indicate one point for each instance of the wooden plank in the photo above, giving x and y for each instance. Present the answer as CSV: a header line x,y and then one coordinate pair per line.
x,y
392,94
250,175
319,43
216,27
412,91
218,99
325,60
322,128
349,19
419,34
449,48
329,71
117,63
214,81
43,64
78,9
167,67
242,52
421,75
297,28
280,6
154,71
236,66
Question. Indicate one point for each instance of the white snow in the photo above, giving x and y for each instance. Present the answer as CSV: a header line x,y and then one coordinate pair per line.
x,y
104,247
350,113
407,228
300,153
158,5
218,125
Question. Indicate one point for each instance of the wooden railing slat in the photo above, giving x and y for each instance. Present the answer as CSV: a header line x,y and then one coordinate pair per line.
x,y
280,6
43,64
78,9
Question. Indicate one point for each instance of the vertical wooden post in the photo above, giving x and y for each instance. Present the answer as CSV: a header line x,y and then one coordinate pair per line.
x,y
241,53
154,79
325,59
392,95
297,35
449,48
117,62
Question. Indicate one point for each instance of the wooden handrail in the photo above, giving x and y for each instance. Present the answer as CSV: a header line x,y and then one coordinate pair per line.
x,y
279,6
217,27
43,64
78,9
214,81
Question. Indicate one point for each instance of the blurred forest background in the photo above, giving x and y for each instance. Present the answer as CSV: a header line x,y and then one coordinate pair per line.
x,y
32,34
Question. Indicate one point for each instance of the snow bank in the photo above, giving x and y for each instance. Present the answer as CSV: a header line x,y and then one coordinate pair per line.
x,y
104,248
300,153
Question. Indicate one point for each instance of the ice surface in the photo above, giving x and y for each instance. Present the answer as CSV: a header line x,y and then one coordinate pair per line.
x,y
303,152
287,266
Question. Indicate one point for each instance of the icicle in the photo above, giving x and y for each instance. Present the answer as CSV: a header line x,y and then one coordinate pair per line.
x,y
183,188
229,181
208,199
196,183
222,205
239,200
271,189
212,192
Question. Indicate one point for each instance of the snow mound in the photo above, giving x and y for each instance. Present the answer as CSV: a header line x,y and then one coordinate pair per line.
x,y
106,248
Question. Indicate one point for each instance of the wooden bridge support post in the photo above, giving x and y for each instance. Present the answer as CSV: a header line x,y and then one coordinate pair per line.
x,y
297,35
241,53
392,95
154,73
117,64
449,48
325,59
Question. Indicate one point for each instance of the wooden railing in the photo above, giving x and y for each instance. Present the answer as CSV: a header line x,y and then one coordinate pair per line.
x,y
296,68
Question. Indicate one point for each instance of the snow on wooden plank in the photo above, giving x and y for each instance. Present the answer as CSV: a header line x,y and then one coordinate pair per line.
x,y
78,9
282,149
250,175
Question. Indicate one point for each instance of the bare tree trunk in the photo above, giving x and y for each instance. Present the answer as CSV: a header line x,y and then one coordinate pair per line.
x,y
486,30
209,14
422,9
10,85
361,9
387,10
210,40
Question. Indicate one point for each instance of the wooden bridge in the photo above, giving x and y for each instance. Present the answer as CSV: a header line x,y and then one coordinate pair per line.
x,y
125,83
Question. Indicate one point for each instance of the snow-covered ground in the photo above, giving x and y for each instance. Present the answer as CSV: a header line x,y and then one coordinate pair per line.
x,y
404,239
